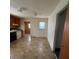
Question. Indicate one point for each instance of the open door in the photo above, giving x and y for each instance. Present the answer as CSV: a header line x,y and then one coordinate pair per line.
x,y
61,35
59,32
27,27
64,53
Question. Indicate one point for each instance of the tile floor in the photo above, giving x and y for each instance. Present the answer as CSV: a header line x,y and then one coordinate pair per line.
x,y
31,48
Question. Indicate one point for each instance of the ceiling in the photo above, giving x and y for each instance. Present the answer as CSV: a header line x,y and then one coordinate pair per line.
x,y
24,8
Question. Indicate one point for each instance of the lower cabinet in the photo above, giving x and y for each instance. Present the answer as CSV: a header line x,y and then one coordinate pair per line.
x,y
15,35
18,34
12,36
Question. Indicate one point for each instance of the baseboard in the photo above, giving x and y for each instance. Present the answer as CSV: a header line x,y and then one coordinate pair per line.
x,y
54,54
39,37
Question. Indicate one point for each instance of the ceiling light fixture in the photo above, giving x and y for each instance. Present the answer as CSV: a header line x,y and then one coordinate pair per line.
x,y
22,9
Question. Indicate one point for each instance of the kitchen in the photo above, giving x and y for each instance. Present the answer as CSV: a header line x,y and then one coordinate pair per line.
x,y
15,31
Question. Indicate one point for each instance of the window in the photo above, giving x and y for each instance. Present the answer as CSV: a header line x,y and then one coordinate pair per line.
x,y
29,26
41,25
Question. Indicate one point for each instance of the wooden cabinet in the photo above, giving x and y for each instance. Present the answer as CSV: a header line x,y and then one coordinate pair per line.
x,y
14,21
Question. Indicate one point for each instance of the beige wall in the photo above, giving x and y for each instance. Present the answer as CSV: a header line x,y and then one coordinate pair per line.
x,y
35,31
52,22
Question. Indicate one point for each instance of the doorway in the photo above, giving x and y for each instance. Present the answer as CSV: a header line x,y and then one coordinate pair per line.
x,y
27,27
59,31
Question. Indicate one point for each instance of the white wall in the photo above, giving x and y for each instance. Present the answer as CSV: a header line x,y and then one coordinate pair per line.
x,y
35,31
52,22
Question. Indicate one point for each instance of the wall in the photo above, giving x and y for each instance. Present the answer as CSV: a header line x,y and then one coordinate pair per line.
x,y
35,31
52,22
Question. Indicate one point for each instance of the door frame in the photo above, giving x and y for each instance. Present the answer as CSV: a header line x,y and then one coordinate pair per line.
x,y
25,28
57,25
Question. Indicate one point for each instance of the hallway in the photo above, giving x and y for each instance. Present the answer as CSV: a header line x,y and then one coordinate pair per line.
x,y
31,48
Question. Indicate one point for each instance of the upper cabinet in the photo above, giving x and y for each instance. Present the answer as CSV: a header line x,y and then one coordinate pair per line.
x,y
14,21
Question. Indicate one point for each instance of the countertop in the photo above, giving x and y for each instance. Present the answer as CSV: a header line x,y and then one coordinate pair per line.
x,y
12,31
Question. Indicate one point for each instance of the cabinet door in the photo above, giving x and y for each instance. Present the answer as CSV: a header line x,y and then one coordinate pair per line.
x,y
17,21
14,20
